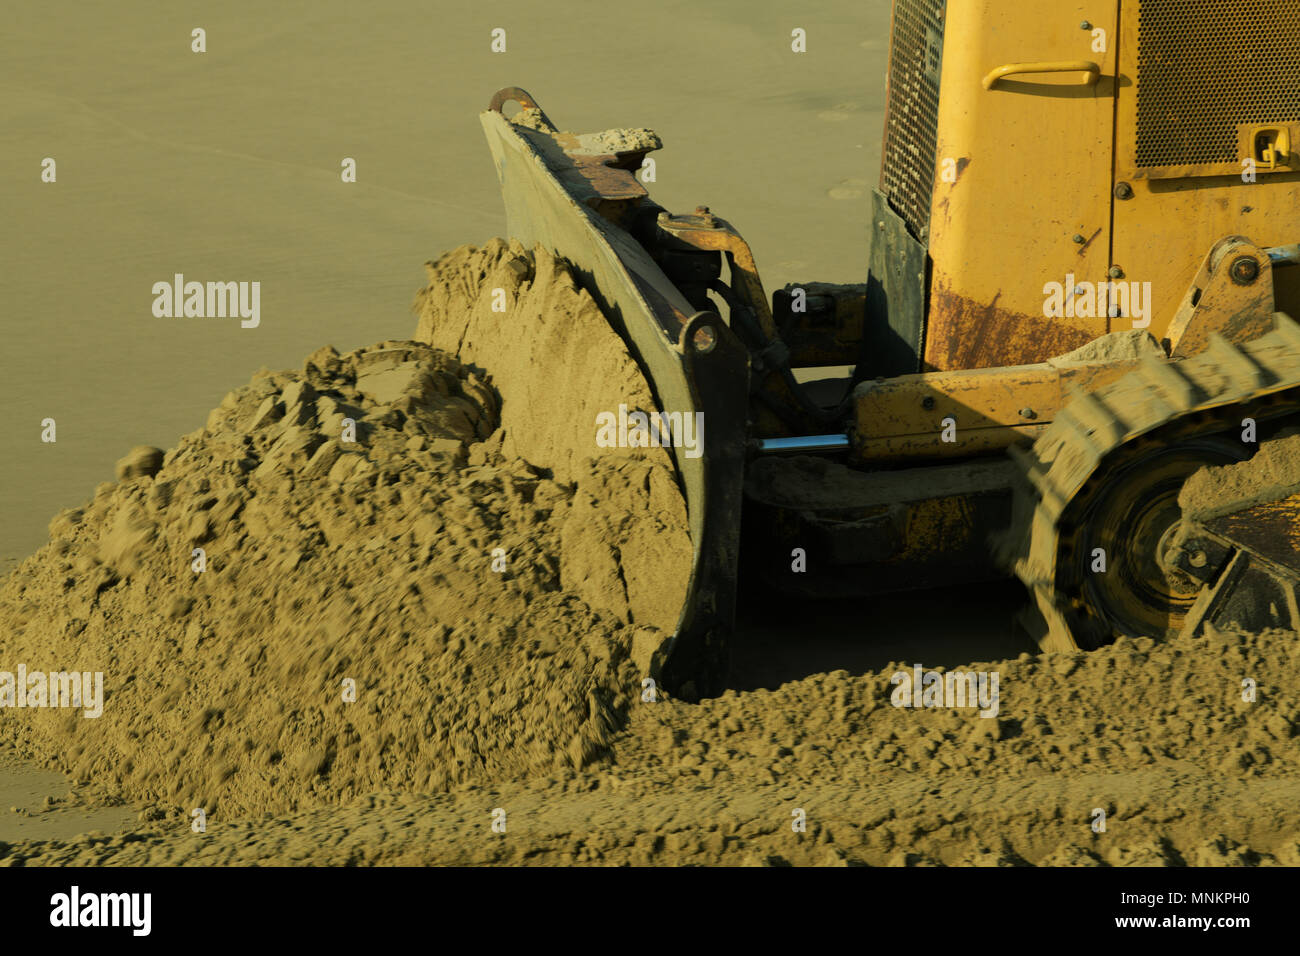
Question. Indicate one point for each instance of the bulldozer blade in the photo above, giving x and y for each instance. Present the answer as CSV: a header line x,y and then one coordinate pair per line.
x,y
561,196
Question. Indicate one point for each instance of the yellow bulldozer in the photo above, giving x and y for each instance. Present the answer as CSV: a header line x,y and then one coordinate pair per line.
x,y
1083,257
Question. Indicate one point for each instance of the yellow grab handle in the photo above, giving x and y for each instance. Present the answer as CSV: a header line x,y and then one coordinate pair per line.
x,y
1275,151
1050,66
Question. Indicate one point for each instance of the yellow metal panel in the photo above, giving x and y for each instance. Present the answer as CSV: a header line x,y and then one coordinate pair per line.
x,y
1165,228
1232,296
978,398
903,417
1029,170
903,448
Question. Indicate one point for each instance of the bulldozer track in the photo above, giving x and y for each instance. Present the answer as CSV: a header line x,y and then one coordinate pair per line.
x,y
1198,404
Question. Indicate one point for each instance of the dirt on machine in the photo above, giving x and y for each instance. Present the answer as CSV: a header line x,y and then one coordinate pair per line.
x,y
1076,324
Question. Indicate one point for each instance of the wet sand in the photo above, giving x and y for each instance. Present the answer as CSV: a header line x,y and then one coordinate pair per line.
x,y
37,804
225,166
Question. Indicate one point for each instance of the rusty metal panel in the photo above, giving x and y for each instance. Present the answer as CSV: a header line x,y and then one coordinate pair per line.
x,y
965,332
1023,180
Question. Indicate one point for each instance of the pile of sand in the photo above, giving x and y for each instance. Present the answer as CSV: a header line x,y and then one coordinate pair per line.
x,y
467,583
519,688
557,364
1273,473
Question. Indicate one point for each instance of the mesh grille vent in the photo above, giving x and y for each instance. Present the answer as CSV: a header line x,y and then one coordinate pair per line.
x,y
1206,68
912,131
